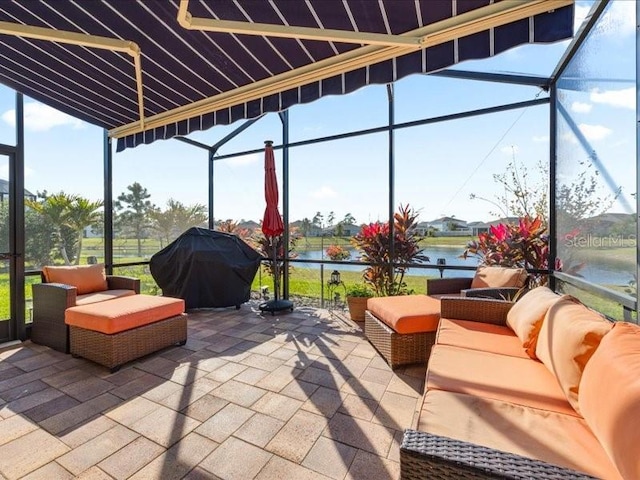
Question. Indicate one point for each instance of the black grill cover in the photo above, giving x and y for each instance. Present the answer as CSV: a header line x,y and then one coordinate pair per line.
x,y
206,268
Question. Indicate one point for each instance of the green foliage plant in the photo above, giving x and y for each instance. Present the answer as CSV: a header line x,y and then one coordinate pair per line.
x,y
264,246
359,290
389,256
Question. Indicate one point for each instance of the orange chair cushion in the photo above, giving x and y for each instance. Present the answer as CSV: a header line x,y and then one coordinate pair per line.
x,y
86,278
610,396
479,336
527,314
496,277
123,313
552,437
407,313
569,335
490,375
102,296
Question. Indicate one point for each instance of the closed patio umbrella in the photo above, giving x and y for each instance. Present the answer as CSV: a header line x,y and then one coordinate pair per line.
x,y
272,226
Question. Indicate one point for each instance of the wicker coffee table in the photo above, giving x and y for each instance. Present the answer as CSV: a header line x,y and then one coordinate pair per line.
x,y
402,328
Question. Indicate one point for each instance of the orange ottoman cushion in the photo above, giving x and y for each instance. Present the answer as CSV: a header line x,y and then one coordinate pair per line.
x,y
125,313
407,313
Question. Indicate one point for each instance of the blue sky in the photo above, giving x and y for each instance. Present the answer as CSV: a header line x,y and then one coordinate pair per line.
x,y
438,166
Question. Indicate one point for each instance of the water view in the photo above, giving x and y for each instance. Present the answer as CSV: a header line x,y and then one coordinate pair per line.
x,y
602,272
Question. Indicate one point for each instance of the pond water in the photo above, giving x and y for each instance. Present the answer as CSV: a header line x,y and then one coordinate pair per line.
x,y
450,254
600,273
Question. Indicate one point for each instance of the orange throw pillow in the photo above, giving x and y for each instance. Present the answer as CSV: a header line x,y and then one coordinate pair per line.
x,y
569,335
610,397
527,314
497,277
86,278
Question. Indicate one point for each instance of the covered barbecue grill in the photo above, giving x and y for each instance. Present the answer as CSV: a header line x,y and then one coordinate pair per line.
x,y
206,268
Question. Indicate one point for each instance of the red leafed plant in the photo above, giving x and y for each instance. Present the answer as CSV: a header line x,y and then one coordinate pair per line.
x,y
523,244
374,243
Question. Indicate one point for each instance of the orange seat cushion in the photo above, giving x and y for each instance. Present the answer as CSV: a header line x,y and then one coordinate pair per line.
x,y
570,334
86,278
527,314
496,277
102,296
479,336
407,313
609,396
552,437
521,381
123,313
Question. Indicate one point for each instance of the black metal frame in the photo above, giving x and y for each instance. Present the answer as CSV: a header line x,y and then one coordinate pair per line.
x,y
15,327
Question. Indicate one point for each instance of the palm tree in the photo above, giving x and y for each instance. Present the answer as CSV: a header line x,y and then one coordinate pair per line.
x,y
176,219
82,213
55,208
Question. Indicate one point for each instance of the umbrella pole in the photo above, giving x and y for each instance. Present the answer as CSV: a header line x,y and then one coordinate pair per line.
x,y
276,280
276,304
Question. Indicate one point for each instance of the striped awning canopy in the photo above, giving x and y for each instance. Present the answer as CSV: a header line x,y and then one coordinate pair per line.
x,y
151,69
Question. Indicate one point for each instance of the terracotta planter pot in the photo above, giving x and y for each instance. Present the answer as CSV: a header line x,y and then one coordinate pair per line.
x,y
357,306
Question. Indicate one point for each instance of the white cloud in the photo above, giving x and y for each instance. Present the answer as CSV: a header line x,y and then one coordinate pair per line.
x,y
40,118
580,107
625,98
540,138
510,149
594,132
324,192
244,160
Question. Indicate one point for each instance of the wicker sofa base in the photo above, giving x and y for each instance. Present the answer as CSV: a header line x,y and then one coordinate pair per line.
x,y
396,348
427,456
112,351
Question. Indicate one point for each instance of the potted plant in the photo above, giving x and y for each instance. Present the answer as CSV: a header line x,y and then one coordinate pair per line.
x,y
357,301
376,246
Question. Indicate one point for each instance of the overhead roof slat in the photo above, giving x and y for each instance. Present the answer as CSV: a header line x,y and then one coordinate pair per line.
x,y
194,79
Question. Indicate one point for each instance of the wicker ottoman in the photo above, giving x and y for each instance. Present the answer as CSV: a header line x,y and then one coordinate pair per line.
x,y
402,328
115,332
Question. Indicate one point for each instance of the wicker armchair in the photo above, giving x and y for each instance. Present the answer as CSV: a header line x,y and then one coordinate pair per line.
x,y
500,283
462,286
50,300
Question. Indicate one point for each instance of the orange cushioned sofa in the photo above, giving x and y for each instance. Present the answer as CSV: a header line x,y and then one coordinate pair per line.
x,y
63,287
543,388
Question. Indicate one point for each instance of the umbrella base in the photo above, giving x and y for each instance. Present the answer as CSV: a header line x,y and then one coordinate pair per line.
x,y
276,306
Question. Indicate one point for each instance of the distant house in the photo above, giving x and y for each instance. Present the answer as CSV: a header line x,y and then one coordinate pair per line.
x,y
478,227
344,230
4,191
309,230
89,232
248,225
510,220
447,224
423,228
